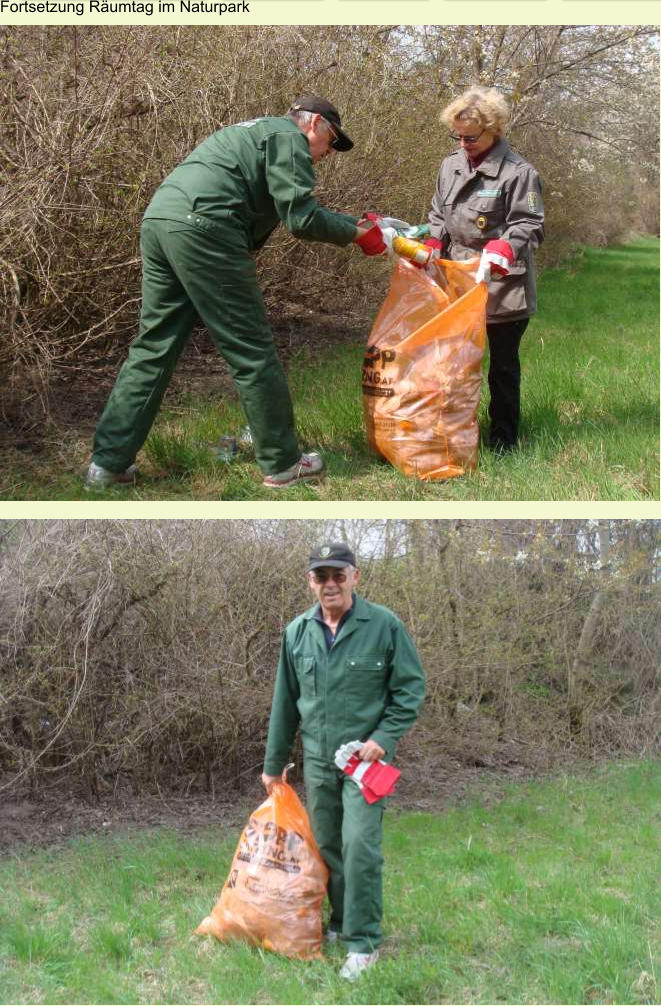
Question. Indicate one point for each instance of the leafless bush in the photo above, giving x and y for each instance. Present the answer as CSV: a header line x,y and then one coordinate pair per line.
x,y
143,653
91,119
137,652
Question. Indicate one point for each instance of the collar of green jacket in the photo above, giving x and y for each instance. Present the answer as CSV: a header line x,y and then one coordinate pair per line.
x,y
360,610
360,613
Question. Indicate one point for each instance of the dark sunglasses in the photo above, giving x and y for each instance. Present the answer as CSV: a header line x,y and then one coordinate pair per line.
x,y
466,139
320,576
336,139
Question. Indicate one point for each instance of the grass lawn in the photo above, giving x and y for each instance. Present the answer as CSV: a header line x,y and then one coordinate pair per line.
x,y
589,403
551,896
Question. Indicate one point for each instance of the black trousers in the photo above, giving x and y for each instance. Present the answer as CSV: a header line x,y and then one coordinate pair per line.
x,y
504,381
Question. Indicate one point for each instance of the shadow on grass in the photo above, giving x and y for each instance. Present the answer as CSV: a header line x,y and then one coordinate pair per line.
x,y
546,422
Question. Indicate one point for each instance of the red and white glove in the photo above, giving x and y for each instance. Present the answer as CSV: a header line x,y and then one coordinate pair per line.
x,y
437,248
388,228
497,257
376,779
373,241
435,243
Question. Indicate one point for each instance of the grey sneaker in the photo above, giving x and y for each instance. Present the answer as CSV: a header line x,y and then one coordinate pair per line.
x,y
331,936
355,964
99,478
308,466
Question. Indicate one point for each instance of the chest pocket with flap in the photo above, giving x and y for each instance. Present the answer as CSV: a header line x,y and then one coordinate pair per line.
x,y
307,676
366,676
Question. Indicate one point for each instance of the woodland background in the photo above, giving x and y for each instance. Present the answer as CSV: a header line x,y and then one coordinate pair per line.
x,y
92,119
139,656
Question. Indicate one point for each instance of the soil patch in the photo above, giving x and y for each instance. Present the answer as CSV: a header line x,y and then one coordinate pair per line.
x,y
76,399
53,817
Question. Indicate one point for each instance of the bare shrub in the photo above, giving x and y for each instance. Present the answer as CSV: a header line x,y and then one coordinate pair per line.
x,y
92,119
142,653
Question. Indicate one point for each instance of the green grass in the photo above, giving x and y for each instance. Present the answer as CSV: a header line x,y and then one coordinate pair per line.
x,y
551,896
589,404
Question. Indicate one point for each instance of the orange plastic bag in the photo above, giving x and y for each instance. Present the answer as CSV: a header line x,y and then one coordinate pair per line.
x,y
423,370
277,883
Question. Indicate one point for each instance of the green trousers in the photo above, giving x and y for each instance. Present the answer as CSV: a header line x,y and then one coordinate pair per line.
x,y
348,832
206,270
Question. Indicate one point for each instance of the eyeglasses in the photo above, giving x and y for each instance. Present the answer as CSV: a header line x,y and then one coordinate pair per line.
x,y
320,576
466,139
331,129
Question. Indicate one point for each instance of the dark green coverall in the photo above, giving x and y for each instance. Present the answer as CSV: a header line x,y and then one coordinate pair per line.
x,y
197,241
369,684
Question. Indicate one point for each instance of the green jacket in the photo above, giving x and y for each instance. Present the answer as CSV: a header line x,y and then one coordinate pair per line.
x,y
369,684
253,174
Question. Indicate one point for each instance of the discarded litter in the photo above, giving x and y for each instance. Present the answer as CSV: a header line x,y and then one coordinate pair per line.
x,y
228,447
277,882
245,437
422,372
225,449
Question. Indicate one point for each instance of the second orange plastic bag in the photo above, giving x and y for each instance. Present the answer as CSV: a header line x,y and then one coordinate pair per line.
x,y
277,883
423,370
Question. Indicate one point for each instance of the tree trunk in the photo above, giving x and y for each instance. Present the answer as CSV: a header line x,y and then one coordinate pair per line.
x,y
582,660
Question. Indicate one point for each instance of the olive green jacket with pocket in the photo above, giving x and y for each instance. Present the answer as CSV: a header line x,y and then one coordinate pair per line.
x,y
500,198
370,684
253,175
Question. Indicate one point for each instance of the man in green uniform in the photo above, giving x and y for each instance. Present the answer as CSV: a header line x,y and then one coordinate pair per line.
x,y
198,239
348,671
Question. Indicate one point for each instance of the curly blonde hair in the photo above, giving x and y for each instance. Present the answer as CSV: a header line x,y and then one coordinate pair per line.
x,y
484,105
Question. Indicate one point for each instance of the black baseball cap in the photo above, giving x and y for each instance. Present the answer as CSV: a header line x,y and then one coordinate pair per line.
x,y
332,553
312,103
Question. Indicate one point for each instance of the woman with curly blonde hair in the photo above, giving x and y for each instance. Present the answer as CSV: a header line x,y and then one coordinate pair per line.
x,y
488,201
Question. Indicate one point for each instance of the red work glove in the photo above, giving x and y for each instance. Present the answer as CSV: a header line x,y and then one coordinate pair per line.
x,y
497,257
376,778
500,255
436,246
371,242
368,219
